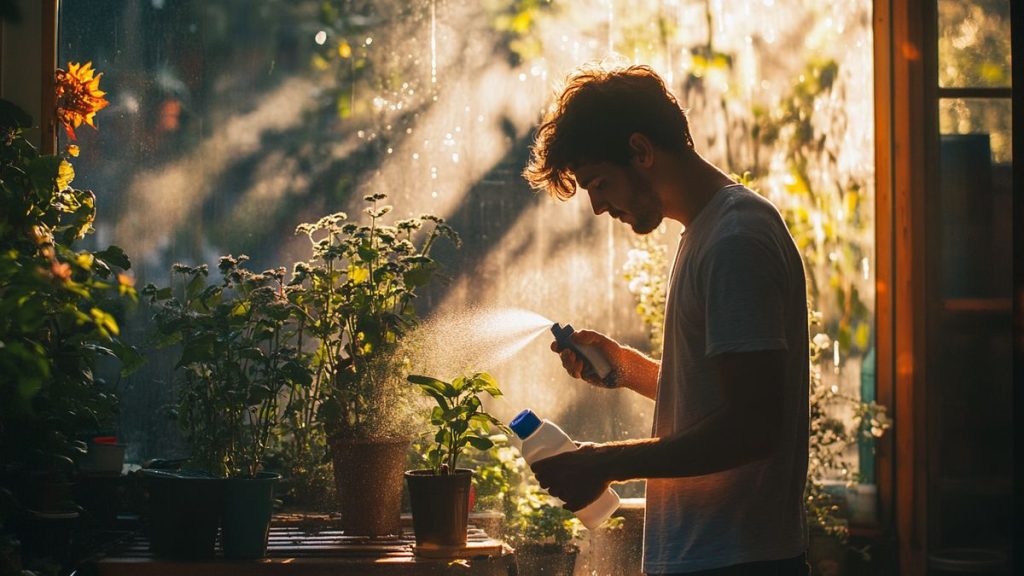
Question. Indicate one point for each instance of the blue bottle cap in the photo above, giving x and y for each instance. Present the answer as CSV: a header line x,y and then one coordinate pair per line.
x,y
524,424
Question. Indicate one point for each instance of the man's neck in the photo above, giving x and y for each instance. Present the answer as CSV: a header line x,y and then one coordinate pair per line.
x,y
691,182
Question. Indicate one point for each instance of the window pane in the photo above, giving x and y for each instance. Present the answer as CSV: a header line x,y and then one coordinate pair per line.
x,y
991,117
974,43
971,328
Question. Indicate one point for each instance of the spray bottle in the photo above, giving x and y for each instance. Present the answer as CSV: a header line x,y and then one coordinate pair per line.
x,y
593,360
543,438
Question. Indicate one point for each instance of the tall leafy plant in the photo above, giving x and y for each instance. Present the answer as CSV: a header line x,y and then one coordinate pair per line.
x,y
356,296
240,355
57,303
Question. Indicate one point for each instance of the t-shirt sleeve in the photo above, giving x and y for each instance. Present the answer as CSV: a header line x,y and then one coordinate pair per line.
x,y
745,283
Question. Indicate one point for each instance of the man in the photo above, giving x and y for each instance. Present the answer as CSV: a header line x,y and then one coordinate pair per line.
x,y
727,460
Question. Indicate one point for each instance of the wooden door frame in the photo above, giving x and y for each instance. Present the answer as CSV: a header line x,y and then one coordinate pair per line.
x,y
903,124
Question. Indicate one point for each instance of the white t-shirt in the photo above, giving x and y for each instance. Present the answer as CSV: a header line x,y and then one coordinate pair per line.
x,y
737,285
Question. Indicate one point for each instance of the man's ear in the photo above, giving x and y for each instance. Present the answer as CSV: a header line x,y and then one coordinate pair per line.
x,y
643,150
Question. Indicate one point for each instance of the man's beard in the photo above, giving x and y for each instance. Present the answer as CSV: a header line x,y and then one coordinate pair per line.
x,y
647,214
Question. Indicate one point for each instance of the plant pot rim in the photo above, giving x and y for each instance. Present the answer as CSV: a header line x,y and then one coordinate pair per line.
x,y
263,476
178,475
429,473
365,440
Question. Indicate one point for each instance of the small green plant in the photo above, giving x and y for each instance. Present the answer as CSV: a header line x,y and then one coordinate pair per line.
x,y
240,354
458,419
541,519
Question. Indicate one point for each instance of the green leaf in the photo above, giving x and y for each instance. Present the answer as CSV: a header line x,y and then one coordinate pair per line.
x,y
116,256
197,350
419,276
195,286
442,402
480,443
367,253
433,384
43,173
131,359
104,322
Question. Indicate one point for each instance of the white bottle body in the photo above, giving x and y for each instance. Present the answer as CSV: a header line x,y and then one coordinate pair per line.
x,y
597,360
549,440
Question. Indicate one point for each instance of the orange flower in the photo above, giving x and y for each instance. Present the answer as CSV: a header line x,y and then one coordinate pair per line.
x,y
78,96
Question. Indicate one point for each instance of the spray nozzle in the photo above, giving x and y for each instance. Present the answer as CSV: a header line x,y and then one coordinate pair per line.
x,y
563,335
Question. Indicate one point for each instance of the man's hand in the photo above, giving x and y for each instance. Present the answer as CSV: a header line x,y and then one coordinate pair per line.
x,y
575,478
574,365
630,368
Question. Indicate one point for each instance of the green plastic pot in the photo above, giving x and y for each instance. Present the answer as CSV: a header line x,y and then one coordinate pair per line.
x,y
245,521
184,513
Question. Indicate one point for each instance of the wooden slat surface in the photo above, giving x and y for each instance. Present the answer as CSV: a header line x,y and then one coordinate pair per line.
x,y
311,551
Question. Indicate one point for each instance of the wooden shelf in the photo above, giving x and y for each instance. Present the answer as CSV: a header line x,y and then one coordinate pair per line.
x,y
311,551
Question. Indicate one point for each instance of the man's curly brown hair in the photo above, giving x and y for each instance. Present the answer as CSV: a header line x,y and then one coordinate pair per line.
x,y
597,112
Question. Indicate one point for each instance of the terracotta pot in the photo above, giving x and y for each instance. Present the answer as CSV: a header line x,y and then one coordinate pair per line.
x,y
368,475
440,506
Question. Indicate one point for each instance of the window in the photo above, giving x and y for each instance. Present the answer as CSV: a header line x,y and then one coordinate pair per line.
x,y
970,239
231,122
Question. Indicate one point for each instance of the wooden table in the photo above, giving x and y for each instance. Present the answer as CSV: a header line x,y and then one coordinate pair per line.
x,y
306,549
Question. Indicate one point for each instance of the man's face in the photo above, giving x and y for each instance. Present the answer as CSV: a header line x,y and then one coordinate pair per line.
x,y
623,193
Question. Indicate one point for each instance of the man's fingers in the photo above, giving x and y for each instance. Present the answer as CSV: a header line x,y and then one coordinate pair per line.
x,y
571,364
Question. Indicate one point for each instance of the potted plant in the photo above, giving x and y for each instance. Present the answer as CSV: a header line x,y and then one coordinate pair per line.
x,y
239,357
57,306
543,533
439,494
356,294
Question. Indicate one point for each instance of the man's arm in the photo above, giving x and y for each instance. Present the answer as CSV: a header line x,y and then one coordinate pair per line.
x,y
746,428
632,369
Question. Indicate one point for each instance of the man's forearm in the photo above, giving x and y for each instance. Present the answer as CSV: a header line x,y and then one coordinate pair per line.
x,y
638,372
717,444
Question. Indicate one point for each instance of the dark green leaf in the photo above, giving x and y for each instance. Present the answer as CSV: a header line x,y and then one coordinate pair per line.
x,y
43,172
480,443
116,256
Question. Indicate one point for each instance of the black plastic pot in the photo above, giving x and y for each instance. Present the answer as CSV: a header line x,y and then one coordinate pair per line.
x,y
440,506
245,523
184,513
